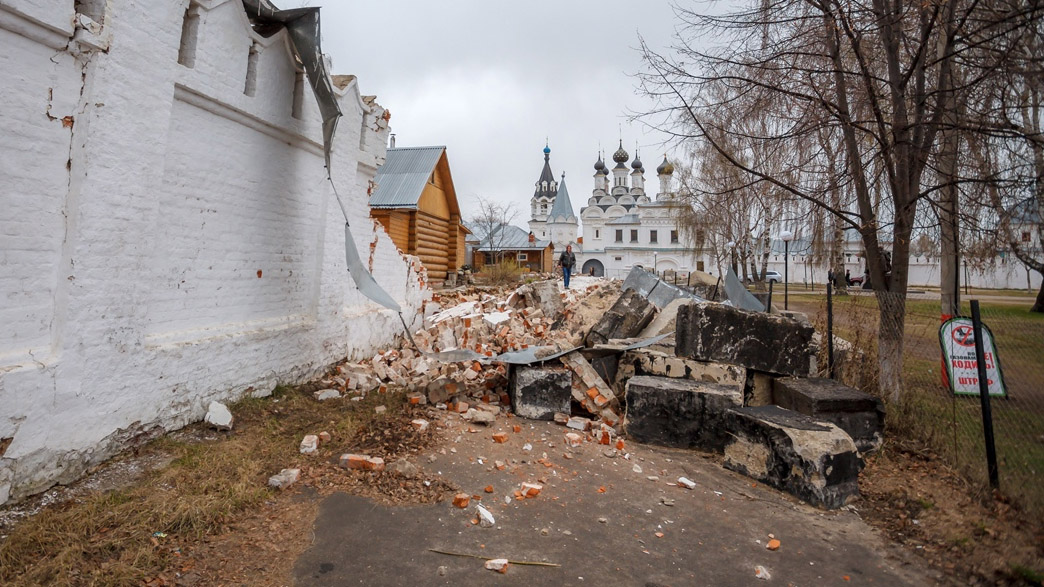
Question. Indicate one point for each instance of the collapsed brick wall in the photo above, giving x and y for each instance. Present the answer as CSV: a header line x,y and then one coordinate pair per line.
x,y
171,236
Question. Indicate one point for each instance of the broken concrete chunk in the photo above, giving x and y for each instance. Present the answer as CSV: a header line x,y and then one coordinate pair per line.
x,y
325,394
544,295
480,417
499,565
578,423
218,416
679,412
309,444
420,424
284,478
858,413
538,392
686,483
573,440
757,391
625,319
404,468
756,340
486,519
811,459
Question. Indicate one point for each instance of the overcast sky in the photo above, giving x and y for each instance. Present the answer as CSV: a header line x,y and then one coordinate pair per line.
x,y
491,80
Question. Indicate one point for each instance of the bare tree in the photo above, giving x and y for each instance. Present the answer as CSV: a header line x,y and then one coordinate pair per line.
x,y
489,223
877,77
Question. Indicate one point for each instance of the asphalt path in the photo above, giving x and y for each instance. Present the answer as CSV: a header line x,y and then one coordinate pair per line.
x,y
604,517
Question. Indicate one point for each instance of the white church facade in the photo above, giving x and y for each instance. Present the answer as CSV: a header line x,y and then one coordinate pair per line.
x,y
622,226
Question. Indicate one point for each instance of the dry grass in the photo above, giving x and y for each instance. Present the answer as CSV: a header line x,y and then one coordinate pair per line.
x,y
117,538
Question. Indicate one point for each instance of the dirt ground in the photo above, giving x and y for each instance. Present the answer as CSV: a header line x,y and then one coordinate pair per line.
x,y
927,512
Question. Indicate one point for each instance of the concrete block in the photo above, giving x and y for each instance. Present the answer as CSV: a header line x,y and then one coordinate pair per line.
x,y
811,459
625,319
678,412
538,392
759,341
660,364
858,413
757,390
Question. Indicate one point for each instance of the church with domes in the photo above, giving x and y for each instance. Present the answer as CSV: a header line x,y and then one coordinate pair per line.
x,y
551,211
622,226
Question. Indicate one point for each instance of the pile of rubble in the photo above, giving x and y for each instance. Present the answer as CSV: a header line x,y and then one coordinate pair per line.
x,y
454,363
654,363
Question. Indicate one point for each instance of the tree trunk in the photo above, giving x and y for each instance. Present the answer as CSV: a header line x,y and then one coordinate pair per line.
x,y
892,311
1038,306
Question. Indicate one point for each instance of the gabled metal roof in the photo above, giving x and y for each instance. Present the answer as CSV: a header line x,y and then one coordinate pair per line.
x,y
401,180
626,219
562,209
510,238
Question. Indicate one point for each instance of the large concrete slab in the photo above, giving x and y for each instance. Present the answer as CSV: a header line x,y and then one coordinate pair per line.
x,y
811,459
625,319
856,412
538,392
679,413
759,341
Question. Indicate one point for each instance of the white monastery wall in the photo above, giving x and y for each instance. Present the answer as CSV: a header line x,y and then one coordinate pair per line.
x,y
165,238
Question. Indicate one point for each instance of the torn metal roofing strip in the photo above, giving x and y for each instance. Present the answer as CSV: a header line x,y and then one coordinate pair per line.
x,y
367,285
601,350
302,24
529,356
739,295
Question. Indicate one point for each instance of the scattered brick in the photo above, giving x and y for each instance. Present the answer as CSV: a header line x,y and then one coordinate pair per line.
x,y
461,500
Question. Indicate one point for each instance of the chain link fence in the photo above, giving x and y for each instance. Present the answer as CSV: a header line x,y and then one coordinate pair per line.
x,y
951,425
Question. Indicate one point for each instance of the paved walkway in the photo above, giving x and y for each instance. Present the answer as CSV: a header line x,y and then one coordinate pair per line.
x,y
598,517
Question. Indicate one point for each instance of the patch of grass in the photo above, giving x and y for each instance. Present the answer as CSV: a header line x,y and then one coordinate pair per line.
x,y
1030,576
110,538
952,427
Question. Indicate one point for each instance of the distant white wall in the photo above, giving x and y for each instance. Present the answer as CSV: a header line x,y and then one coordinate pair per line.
x,y
167,239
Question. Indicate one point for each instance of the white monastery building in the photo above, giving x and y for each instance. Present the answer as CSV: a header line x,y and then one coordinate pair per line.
x,y
622,225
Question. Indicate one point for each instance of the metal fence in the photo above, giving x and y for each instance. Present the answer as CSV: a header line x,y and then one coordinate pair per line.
x,y
952,424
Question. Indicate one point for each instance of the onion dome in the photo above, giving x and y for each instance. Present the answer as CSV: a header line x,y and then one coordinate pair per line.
x,y
665,168
620,156
599,165
637,163
547,150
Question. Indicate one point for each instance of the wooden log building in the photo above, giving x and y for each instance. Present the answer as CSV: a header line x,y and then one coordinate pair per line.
x,y
416,203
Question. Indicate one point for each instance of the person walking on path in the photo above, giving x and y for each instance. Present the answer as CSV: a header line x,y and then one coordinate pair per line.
x,y
567,261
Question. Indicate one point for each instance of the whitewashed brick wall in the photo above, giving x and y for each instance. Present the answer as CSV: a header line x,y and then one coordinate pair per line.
x,y
166,239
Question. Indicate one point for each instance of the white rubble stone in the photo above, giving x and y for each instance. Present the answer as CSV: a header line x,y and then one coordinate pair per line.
x,y
486,519
480,417
325,394
284,478
219,416
309,444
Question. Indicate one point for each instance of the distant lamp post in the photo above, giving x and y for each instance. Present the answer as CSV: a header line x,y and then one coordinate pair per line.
x,y
732,254
786,236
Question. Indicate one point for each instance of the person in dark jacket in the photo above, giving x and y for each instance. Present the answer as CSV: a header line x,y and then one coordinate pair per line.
x,y
567,260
